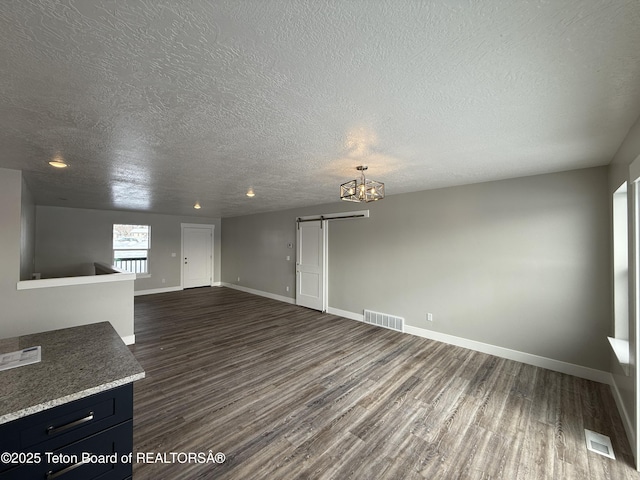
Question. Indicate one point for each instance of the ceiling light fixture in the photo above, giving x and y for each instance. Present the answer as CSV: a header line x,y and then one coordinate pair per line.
x,y
362,190
58,163
250,193
197,206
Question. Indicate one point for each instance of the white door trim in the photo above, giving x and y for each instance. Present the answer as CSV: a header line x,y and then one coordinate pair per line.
x,y
325,266
195,225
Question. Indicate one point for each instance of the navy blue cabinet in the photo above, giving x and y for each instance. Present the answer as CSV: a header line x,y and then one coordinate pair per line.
x,y
85,439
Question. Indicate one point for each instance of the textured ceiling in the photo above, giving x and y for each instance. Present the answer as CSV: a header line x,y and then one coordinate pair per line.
x,y
156,105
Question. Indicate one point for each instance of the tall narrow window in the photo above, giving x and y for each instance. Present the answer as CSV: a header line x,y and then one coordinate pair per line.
x,y
620,343
131,244
621,263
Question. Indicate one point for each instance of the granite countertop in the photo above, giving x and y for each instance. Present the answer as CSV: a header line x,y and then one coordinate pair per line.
x,y
76,362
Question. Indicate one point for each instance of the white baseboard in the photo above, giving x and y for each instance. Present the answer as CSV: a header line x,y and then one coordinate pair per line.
x,y
626,419
129,340
272,296
345,314
216,284
528,358
153,291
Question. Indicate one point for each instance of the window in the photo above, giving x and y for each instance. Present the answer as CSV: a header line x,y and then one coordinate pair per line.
x,y
621,263
131,245
620,343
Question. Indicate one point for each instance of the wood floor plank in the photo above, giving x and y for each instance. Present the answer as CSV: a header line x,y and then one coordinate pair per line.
x,y
330,464
510,459
290,393
439,410
479,454
412,456
538,458
493,404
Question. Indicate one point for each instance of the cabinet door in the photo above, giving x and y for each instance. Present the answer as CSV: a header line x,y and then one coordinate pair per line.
x,y
67,463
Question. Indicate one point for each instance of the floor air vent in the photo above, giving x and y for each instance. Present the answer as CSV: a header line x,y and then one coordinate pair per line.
x,y
600,444
384,320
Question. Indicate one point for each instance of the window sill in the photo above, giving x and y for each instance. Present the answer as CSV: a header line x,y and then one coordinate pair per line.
x,y
621,350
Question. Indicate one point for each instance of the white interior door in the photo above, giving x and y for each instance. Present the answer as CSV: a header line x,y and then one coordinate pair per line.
x,y
197,256
310,265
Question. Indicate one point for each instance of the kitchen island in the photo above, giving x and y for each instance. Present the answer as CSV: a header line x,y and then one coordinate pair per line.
x,y
64,416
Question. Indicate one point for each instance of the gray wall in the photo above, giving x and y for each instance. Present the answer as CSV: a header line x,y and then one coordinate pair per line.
x,y
69,240
27,233
521,264
10,225
29,311
254,248
619,173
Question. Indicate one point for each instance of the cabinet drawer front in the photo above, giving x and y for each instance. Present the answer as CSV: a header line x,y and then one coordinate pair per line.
x,y
115,440
62,425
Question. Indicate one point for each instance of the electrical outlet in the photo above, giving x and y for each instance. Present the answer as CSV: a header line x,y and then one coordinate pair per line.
x,y
238,278
430,317
164,280
287,289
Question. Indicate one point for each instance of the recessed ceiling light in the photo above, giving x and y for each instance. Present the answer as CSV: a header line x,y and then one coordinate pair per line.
x,y
250,193
58,163
197,206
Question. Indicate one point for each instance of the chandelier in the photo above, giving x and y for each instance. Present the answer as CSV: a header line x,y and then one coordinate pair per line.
x,y
362,190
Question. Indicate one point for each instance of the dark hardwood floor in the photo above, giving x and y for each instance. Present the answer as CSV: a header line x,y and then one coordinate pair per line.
x,y
287,393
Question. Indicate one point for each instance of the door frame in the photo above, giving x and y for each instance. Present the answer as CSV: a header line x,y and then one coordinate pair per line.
x,y
196,225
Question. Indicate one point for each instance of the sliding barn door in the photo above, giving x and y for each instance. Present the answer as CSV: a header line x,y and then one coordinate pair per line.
x,y
310,265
